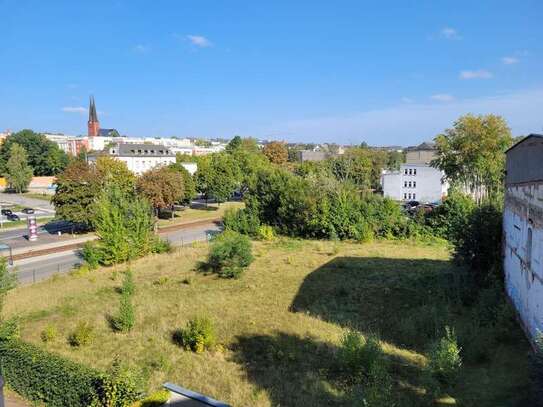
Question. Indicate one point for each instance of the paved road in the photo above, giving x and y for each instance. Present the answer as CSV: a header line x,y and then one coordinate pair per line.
x,y
39,268
27,201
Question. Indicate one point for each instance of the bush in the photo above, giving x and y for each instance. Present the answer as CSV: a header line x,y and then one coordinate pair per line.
x,y
266,233
450,219
128,286
91,255
82,335
377,390
198,336
242,221
230,253
124,321
358,355
47,378
155,399
9,329
161,246
445,360
48,334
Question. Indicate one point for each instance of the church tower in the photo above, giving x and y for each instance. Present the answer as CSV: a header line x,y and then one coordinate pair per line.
x,y
93,124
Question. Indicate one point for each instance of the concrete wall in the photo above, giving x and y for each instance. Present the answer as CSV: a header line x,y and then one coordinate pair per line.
x,y
391,184
523,264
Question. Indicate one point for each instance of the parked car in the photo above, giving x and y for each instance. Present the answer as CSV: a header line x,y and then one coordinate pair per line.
x,y
13,217
28,211
6,212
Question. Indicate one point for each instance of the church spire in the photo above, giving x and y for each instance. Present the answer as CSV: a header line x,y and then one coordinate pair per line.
x,y
93,124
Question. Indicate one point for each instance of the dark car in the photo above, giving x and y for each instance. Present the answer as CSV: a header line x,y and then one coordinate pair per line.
x,y
13,217
7,212
28,211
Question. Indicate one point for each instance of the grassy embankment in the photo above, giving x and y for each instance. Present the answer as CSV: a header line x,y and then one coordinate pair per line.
x,y
279,326
200,212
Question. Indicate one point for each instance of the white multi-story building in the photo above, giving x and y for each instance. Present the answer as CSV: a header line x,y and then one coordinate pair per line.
x,y
416,180
523,232
139,158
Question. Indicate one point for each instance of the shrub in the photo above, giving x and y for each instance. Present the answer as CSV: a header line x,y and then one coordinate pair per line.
x,y
266,232
9,329
82,335
358,354
445,360
124,321
242,221
378,390
47,378
198,336
48,334
450,219
128,286
155,399
230,253
161,246
91,255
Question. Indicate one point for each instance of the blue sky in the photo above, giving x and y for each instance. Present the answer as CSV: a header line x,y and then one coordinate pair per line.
x,y
395,72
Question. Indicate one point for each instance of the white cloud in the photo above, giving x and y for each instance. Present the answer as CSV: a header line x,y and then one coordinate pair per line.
x,y
141,49
74,109
510,60
442,97
407,100
450,33
479,74
406,124
199,41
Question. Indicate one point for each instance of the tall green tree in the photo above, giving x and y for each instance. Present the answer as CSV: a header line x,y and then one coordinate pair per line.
x,y
471,154
115,172
18,172
162,187
218,176
189,185
233,145
44,156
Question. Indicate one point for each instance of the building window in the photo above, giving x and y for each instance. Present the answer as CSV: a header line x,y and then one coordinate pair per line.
x,y
414,171
404,196
414,195
405,184
409,195
405,171
414,184
409,171
409,184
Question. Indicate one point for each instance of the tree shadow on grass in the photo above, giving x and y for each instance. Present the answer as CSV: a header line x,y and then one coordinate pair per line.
x,y
406,302
293,370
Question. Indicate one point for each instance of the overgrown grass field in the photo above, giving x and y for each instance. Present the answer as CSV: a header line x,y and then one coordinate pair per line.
x,y
280,325
200,212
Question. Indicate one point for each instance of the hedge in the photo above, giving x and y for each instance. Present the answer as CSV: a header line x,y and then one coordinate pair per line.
x,y
44,377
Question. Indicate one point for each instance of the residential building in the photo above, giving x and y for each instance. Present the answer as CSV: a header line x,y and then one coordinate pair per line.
x,y
523,231
416,180
69,144
139,158
309,155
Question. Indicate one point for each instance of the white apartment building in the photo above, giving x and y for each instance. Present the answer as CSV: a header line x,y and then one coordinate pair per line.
x,y
416,180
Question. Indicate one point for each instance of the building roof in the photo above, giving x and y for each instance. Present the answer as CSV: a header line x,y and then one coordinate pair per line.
x,y
108,133
426,145
93,117
539,136
141,150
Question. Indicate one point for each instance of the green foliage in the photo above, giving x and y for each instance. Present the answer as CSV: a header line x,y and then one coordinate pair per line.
x,y
161,246
46,378
233,144
450,219
472,154
82,335
156,399
128,287
44,156
124,225
18,173
241,221
49,333
125,319
113,172
377,389
8,281
444,358
10,329
266,233
230,254
162,187
218,176
189,186
358,355
91,255
198,336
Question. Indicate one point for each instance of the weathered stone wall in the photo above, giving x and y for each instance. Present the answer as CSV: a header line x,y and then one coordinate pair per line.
x,y
523,263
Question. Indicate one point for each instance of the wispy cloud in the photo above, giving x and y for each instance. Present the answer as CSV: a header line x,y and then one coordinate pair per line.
x,y
412,123
74,109
450,33
141,49
442,97
510,60
199,41
478,74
